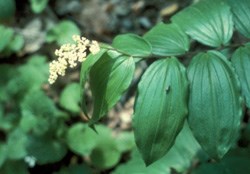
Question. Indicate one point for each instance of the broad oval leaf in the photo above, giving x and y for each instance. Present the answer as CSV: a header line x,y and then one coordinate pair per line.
x,y
46,149
179,157
16,145
109,78
6,36
38,6
209,22
241,15
105,155
214,103
241,62
81,139
132,45
12,166
62,32
235,162
86,66
125,141
160,108
70,98
167,40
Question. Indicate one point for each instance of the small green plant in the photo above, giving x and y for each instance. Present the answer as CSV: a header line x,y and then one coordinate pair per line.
x,y
10,41
210,94
34,131
37,6
62,32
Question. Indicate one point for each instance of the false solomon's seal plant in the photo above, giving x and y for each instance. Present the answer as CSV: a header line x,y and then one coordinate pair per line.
x,y
208,91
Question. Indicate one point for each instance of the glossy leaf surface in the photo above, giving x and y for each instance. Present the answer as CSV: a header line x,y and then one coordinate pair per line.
x,y
160,108
241,15
241,62
86,66
167,40
109,78
132,44
209,22
214,103
179,157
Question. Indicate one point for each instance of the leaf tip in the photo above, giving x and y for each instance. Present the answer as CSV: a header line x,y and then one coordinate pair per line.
x,y
150,159
148,162
92,126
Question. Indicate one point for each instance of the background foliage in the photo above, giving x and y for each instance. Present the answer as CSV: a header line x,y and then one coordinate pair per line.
x,y
42,127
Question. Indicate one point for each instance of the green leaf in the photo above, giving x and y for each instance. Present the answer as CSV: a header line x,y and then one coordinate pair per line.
x,y
167,40
44,108
81,139
237,161
125,141
179,157
8,9
241,62
38,6
104,133
241,15
215,104
12,167
208,21
17,43
62,32
7,73
70,98
9,120
210,168
28,121
86,66
75,169
38,117
109,78
16,145
184,151
3,153
132,44
5,37
102,147
246,133
161,105
30,76
106,155
46,149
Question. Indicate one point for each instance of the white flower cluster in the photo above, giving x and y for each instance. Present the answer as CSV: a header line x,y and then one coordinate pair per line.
x,y
70,54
